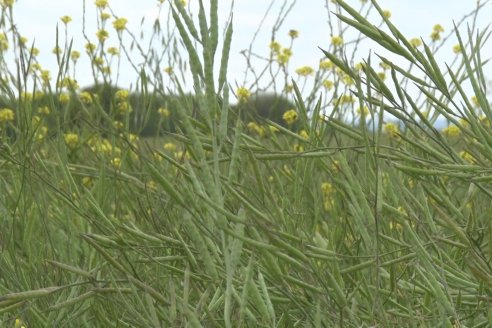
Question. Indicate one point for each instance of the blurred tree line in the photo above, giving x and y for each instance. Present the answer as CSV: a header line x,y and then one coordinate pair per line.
x,y
105,107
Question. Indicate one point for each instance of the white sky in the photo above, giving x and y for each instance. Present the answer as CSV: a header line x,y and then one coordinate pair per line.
x,y
37,19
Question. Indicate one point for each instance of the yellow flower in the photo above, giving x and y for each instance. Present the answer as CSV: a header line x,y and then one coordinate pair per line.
x,y
66,19
115,162
57,50
243,94
305,70
457,49
170,147
68,83
273,129
6,115
71,140
90,47
118,125
298,148
345,99
120,24
132,138
362,111
451,131
102,35
336,40
474,101
327,189
87,182
391,129
34,51
275,46
304,134
325,64
8,3
416,42
438,28
294,34
328,84
467,156
387,14
347,80
121,95
435,36
284,56
74,55
113,51
164,112
105,16
124,107
253,127
18,322
290,116
4,43
168,70
101,3
64,98
98,61
41,133
86,98
44,110
45,76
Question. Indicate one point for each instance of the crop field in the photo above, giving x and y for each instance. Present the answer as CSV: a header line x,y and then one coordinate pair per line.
x,y
326,197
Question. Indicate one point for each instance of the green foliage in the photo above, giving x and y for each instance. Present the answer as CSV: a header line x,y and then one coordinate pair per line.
x,y
200,222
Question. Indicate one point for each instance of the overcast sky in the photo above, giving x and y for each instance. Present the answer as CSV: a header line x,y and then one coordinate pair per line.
x,y
37,19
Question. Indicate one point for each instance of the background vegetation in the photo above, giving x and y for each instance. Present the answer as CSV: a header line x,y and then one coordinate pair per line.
x,y
340,206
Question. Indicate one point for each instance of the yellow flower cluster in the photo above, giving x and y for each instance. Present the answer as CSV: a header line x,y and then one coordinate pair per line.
x,y
392,130
102,35
305,70
415,42
71,140
122,104
294,34
170,147
255,128
290,116
115,163
345,99
242,94
164,112
4,42
327,192
113,51
120,24
328,84
74,55
66,19
7,3
337,41
44,110
467,156
282,55
41,133
325,65
101,4
64,98
451,131
6,115
436,32
86,98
